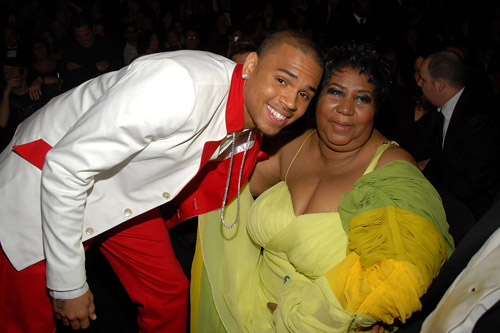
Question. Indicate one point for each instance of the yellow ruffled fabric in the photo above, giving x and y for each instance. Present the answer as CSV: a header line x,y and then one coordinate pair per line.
x,y
394,256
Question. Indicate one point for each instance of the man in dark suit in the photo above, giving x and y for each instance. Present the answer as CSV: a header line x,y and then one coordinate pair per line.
x,y
465,162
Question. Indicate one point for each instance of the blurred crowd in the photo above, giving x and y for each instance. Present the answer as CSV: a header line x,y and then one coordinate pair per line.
x,y
51,46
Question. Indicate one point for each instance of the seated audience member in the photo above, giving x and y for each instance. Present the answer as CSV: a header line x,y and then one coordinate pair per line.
x,y
396,116
464,161
99,28
148,42
88,55
130,48
422,144
18,100
45,70
191,39
346,232
12,46
173,41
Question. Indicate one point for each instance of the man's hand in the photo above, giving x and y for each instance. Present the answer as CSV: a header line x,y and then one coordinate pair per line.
x,y
76,311
35,89
102,65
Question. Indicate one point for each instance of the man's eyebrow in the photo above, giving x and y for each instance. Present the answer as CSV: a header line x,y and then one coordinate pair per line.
x,y
288,72
294,76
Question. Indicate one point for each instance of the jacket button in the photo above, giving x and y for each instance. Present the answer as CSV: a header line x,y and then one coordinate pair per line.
x,y
165,195
127,212
89,231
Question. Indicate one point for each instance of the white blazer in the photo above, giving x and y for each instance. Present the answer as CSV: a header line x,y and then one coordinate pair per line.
x,y
123,143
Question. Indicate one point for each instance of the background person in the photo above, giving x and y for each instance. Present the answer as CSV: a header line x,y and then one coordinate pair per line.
x,y
466,166
18,101
88,56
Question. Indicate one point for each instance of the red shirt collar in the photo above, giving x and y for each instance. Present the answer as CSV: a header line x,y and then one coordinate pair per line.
x,y
235,119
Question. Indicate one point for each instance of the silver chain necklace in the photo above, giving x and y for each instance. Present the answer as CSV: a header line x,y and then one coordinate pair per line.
x,y
239,182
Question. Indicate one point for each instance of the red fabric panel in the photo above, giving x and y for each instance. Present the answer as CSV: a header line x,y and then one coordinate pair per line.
x,y
34,152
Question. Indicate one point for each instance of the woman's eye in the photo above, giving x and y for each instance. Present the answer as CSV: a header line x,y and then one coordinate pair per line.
x,y
333,91
280,80
364,99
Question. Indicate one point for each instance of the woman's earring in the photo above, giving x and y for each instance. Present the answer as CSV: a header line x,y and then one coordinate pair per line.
x,y
244,76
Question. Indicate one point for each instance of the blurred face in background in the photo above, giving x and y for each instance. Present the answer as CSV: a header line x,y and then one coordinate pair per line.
x,y
131,34
192,40
13,75
40,50
416,70
84,36
154,44
98,29
10,36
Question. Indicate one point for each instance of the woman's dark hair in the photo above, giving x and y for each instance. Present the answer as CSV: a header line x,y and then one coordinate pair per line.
x,y
362,56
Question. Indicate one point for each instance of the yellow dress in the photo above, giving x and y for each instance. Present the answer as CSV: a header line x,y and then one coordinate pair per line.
x,y
336,282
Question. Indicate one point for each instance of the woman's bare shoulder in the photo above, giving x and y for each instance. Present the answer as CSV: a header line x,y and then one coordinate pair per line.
x,y
395,153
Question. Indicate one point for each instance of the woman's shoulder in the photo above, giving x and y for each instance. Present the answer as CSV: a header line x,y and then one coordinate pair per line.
x,y
393,153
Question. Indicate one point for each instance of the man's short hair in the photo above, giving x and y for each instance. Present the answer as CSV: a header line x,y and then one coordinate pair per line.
x,y
293,38
448,66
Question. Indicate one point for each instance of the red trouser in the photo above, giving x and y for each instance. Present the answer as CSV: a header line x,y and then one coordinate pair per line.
x,y
142,257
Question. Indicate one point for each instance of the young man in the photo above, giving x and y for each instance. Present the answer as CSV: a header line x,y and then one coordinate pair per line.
x,y
121,145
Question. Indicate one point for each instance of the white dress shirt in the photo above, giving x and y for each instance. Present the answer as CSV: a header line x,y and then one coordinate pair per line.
x,y
447,111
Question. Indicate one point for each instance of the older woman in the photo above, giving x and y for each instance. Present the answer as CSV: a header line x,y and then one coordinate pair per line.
x,y
351,232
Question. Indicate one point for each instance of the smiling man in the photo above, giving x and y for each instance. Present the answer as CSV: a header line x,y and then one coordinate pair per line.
x,y
174,128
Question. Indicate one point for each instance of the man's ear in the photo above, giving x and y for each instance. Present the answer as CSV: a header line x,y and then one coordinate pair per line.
x,y
441,84
250,63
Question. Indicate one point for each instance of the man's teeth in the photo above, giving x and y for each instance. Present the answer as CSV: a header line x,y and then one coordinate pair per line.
x,y
277,115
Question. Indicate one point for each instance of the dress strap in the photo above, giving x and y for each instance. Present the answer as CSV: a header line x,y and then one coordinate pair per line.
x,y
380,150
297,153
